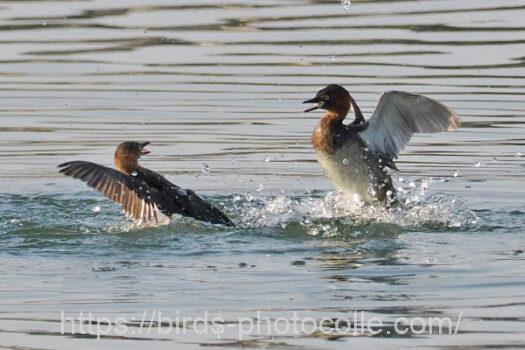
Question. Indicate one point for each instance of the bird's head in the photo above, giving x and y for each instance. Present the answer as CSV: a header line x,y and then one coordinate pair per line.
x,y
128,154
333,98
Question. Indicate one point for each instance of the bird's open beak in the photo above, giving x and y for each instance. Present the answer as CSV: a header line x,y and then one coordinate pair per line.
x,y
317,100
143,150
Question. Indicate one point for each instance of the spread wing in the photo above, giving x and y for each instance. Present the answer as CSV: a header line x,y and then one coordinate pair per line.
x,y
135,196
399,115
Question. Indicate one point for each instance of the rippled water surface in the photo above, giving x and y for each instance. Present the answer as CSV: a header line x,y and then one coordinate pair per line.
x,y
216,87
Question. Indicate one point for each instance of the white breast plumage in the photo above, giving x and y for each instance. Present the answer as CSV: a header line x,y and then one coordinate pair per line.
x,y
353,171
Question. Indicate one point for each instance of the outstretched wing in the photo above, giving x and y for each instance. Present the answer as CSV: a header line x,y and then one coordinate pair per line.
x,y
135,196
399,115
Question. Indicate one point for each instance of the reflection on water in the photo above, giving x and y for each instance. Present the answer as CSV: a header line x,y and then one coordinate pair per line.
x,y
218,85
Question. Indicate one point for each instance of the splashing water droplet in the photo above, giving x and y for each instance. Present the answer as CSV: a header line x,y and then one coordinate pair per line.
x,y
95,209
477,164
260,187
267,159
316,215
134,173
346,4
205,169
456,173
519,154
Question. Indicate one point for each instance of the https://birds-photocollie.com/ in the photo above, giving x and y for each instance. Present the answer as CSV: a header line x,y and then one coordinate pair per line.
x,y
355,156
146,196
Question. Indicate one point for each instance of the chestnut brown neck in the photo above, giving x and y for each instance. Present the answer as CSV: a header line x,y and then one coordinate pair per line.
x,y
331,117
126,162
338,112
329,134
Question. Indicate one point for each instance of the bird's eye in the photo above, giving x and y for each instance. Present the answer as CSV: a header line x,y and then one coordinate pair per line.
x,y
326,97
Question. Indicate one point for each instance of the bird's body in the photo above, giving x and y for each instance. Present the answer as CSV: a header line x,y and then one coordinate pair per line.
x,y
146,196
349,164
355,156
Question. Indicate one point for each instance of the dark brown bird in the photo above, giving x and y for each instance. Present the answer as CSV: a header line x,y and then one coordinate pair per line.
x,y
355,156
146,196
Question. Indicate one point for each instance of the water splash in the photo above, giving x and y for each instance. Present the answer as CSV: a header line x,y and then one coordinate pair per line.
x,y
205,169
313,213
334,213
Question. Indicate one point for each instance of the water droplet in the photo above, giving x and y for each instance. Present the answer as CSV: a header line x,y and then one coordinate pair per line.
x,y
260,187
332,58
477,164
205,169
267,159
345,161
346,4
134,173
95,209
519,154
412,184
456,173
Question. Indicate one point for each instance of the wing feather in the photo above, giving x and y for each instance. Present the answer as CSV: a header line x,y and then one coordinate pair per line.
x,y
176,200
134,195
399,115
